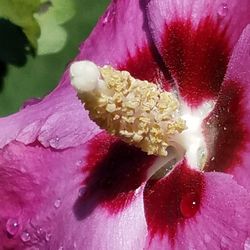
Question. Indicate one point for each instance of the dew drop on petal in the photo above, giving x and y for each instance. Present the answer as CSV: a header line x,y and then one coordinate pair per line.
x,y
57,203
12,226
223,10
48,236
105,19
79,163
247,244
189,205
25,236
54,142
61,247
108,16
81,191
39,230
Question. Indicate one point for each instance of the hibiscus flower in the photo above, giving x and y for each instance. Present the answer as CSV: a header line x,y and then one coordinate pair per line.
x,y
67,184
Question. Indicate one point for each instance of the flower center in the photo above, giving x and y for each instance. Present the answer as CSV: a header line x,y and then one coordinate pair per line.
x,y
192,139
141,113
138,112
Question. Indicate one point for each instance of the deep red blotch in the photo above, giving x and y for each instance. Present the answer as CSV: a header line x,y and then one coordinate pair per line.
x,y
197,58
172,200
147,65
224,131
115,170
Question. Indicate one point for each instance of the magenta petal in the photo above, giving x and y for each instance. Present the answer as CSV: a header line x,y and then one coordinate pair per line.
x,y
195,39
231,15
121,39
43,121
39,190
116,40
219,218
114,171
227,128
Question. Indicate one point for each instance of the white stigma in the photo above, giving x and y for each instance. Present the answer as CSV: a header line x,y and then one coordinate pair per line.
x,y
192,139
85,76
137,111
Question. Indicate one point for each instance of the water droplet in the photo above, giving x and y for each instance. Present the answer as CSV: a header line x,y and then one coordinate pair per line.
x,y
74,245
81,191
79,163
207,238
108,16
12,226
25,236
57,203
189,205
137,191
39,230
224,128
213,158
54,142
247,244
223,10
48,236
61,248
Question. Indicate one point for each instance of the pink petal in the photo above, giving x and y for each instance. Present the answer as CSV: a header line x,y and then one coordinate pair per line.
x,y
227,128
116,40
114,171
192,210
49,145
42,189
121,39
195,39
43,121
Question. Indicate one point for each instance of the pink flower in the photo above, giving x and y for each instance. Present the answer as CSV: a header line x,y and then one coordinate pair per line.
x,y
65,184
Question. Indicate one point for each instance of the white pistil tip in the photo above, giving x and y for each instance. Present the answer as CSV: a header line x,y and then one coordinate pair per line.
x,y
84,76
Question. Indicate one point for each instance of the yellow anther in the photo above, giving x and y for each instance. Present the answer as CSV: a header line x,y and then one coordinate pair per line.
x,y
139,112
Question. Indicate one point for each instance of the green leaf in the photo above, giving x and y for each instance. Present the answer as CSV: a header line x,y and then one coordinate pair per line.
x,y
21,13
51,16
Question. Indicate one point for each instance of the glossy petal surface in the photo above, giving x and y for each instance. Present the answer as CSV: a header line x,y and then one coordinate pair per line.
x,y
193,210
227,128
54,167
121,39
195,39
43,121
65,184
40,188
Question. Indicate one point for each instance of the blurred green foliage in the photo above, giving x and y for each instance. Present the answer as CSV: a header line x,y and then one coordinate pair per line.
x,y
42,73
51,15
21,13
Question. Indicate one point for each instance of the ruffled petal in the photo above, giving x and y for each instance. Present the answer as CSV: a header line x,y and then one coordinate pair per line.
x,y
114,171
43,121
192,210
121,39
227,128
43,192
195,39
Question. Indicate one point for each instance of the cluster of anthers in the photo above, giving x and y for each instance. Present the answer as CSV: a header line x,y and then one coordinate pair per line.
x,y
139,112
